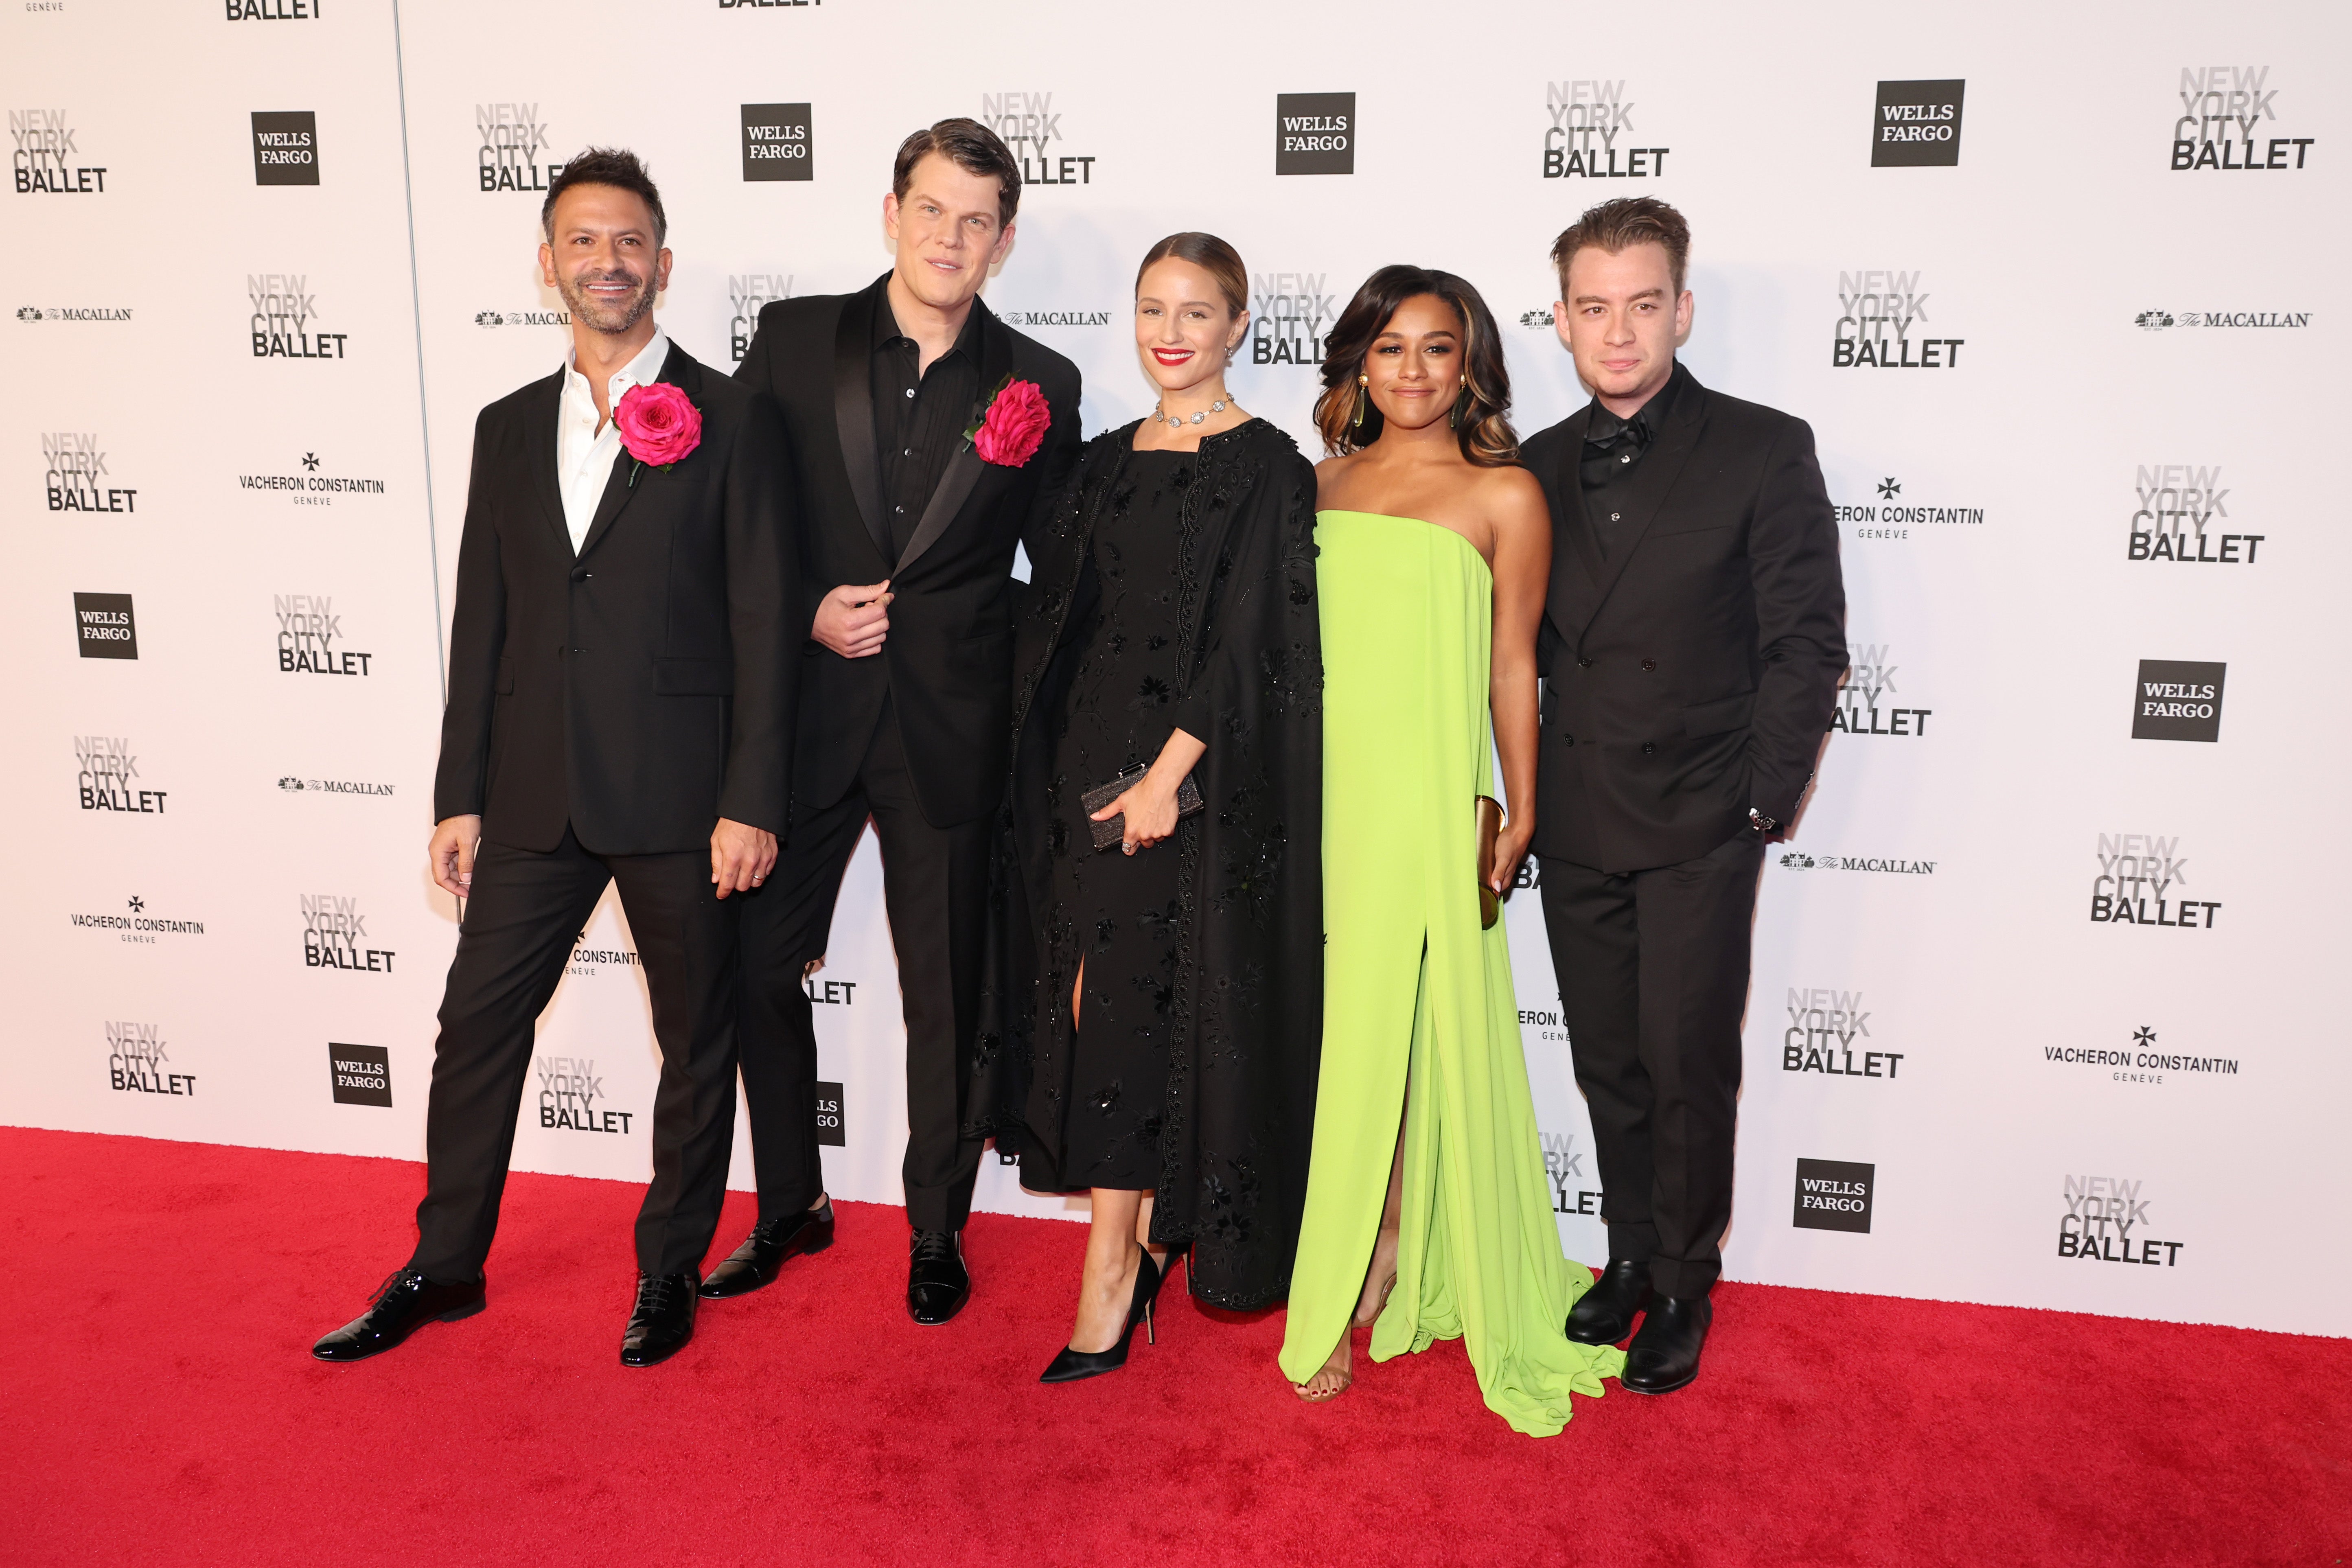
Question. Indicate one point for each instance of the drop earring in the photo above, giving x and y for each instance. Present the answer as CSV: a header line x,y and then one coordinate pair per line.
x,y
1363,384
1461,407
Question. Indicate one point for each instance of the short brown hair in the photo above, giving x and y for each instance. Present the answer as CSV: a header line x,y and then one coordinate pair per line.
x,y
970,146
614,166
1626,221
1212,256
1482,417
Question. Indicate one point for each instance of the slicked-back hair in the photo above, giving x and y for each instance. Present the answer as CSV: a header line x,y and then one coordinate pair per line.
x,y
614,166
1628,220
1484,428
970,146
1212,256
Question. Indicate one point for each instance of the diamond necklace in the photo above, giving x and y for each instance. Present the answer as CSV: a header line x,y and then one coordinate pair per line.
x,y
1166,418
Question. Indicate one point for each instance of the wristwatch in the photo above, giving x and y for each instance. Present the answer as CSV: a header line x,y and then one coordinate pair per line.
x,y
1760,822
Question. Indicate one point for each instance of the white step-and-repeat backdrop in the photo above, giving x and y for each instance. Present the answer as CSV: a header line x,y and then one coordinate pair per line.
x,y
2042,1007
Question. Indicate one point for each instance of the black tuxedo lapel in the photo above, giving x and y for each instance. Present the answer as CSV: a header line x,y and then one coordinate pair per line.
x,y
853,411
963,469
539,445
1652,482
680,369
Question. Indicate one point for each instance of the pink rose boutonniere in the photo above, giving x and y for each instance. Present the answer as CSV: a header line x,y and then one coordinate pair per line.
x,y
1013,427
658,425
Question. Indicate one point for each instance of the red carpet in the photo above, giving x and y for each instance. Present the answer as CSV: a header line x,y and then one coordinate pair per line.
x,y
160,1407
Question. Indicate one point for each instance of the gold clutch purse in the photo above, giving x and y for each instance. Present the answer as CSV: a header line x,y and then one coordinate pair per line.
x,y
1490,828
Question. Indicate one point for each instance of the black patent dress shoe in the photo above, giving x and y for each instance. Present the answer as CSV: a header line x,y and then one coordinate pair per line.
x,y
1665,1355
662,1321
762,1257
937,1284
402,1304
1604,1314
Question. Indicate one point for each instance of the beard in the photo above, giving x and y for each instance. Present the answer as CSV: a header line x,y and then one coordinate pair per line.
x,y
602,316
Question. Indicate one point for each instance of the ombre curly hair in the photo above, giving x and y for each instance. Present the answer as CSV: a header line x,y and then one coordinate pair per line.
x,y
1481,421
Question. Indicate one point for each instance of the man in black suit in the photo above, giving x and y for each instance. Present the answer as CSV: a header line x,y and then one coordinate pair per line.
x,y
905,680
1692,642
621,669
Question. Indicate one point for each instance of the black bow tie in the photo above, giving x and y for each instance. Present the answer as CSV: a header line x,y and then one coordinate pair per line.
x,y
1632,433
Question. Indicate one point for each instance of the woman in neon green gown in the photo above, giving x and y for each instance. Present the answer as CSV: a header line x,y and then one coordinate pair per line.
x,y
1434,554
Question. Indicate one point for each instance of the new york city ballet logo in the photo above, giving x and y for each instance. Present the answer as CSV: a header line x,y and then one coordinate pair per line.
x,y
777,142
1890,515
2229,121
1916,123
1882,323
48,159
1564,1163
1835,1194
286,147
749,293
106,777
2141,1061
1315,133
274,10
105,625
310,638
137,1058
285,318
136,923
2178,699
568,1089
1032,129
2107,1221
1870,703
1289,313
75,478
512,155
1591,134
1829,1033
335,936
2183,518
2142,880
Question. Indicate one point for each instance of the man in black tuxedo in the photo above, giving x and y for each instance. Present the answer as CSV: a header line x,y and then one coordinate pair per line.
x,y
905,680
622,671
1692,643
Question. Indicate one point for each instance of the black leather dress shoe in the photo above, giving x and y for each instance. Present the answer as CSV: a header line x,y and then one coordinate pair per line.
x,y
402,1304
937,1284
662,1321
1604,1314
762,1257
1665,1355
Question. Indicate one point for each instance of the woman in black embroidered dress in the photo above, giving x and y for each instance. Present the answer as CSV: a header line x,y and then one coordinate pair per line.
x,y
1154,1023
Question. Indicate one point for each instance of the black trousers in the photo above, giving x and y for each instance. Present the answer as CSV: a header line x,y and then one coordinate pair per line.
x,y
1652,969
934,888
521,924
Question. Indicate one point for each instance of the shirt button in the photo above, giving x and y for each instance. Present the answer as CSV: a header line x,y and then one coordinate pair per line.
x,y
1648,747
1584,664
1626,458
1616,517
900,510
1649,664
910,392
907,452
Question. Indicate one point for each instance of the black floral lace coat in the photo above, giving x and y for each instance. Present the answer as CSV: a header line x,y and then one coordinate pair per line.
x,y
1246,1018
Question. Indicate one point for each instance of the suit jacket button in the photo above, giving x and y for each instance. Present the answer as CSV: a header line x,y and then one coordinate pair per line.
x,y
1567,740
1584,664
1649,664
1648,747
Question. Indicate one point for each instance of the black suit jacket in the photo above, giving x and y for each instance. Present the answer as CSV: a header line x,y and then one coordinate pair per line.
x,y
946,665
1691,675
644,688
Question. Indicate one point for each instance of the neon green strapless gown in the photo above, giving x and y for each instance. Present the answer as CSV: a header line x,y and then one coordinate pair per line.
x,y
1418,1000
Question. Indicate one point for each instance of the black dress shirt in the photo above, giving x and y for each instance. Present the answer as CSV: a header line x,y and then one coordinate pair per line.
x,y
919,416
1612,449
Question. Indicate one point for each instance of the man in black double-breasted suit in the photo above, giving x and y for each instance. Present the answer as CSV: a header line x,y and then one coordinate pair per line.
x,y
622,667
1692,643
906,680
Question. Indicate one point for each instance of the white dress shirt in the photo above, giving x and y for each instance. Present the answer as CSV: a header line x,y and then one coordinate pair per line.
x,y
583,454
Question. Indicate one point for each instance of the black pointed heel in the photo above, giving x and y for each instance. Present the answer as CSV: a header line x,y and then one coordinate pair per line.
x,y
1072,1365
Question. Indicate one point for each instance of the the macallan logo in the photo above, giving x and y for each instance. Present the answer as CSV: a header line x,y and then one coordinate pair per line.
x,y
1591,134
569,1089
310,638
2106,1221
1289,313
513,141
335,936
135,1055
47,161
1880,314
522,319
1829,1033
1030,125
2177,504
1315,133
73,313
747,294
1870,703
76,477
2229,121
2140,883
108,779
285,318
